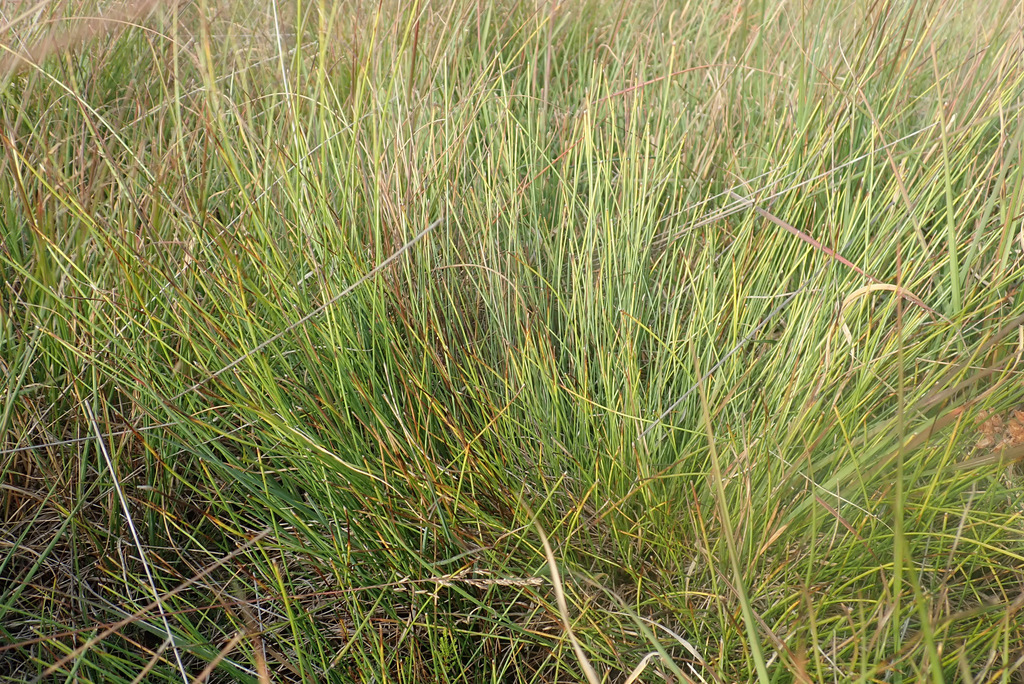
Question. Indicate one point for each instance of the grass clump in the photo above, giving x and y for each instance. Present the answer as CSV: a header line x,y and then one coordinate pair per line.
x,y
491,342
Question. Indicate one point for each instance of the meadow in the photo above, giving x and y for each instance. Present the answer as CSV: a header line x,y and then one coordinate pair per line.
x,y
512,342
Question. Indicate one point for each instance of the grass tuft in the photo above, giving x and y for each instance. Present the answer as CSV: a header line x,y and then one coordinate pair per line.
x,y
313,315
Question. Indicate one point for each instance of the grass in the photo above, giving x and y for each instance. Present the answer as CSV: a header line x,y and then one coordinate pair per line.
x,y
512,342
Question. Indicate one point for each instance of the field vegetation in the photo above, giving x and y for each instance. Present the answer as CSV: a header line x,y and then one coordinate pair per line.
x,y
464,341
